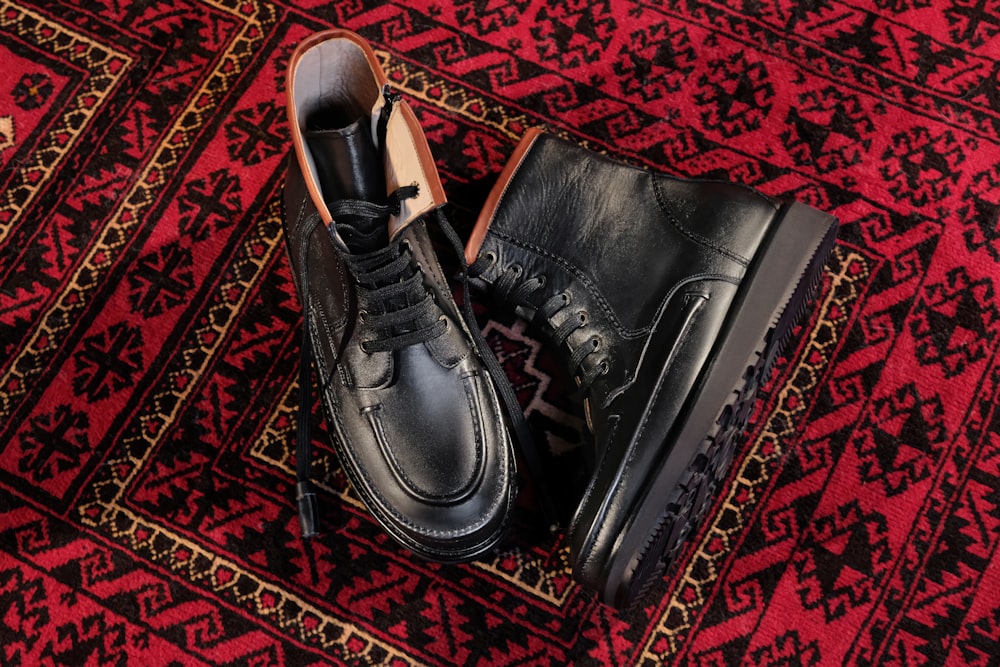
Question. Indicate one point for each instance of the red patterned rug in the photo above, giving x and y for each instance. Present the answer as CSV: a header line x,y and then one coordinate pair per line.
x,y
149,333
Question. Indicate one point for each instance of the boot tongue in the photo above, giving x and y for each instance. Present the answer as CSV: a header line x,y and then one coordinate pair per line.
x,y
349,166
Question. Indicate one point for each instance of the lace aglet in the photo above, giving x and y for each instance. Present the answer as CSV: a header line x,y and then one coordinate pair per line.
x,y
308,509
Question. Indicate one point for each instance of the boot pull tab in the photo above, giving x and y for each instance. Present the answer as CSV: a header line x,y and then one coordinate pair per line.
x,y
391,97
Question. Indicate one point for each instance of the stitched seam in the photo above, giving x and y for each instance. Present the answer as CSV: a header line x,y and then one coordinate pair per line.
x,y
376,422
477,424
305,240
579,275
575,524
620,329
374,415
311,304
383,505
659,387
668,210
630,377
633,449
302,207
351,468
661,381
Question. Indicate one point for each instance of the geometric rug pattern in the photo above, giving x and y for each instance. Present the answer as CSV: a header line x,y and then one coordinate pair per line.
x,y
150,331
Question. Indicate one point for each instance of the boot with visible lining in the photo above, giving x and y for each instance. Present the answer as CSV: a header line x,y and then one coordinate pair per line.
x,y
410,397
669,300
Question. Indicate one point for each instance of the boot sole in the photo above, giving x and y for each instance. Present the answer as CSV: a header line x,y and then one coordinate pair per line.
x,y
770,302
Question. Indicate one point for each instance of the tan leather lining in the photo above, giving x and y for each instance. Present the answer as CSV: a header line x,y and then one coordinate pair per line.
x,y
404,139
493,200
339,67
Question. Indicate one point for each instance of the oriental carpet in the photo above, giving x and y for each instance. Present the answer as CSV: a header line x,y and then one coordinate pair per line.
x,y
149,334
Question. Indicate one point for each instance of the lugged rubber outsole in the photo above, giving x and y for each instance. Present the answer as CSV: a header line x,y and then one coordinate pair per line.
x,y
688,501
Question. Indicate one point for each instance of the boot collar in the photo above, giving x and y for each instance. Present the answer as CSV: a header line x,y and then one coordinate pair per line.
x,y
339,63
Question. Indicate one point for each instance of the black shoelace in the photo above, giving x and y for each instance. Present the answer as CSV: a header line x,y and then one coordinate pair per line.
x,y
394,305
512,287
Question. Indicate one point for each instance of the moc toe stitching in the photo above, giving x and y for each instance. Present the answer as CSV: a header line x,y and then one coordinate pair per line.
x,y
385,507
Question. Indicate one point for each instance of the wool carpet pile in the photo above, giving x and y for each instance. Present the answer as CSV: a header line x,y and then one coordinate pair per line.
x,y
149,334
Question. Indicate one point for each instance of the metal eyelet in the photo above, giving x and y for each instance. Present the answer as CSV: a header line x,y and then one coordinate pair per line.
x,y
583,317
595,341
517,269
605,367
491,257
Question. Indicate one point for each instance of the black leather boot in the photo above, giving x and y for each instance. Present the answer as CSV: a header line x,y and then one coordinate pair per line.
x,y
411,407
670,300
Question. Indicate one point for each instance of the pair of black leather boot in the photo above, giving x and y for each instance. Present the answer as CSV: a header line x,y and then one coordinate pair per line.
x,y
669,300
